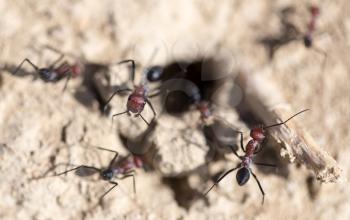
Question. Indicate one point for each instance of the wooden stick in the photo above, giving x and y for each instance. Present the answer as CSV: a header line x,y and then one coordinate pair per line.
x,y
264,100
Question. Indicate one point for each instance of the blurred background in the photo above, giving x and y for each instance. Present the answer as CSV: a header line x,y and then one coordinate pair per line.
x,y
42,128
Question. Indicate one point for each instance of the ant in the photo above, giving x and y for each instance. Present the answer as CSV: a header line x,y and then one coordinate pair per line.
x,y
124,168
56,71
291,33
139,95
308,39
253,147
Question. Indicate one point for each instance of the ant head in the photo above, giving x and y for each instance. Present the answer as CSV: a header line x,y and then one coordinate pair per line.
x,y
204,108
77,69
258,134
308,41
154,73
314,10
138,161
242,176
107,174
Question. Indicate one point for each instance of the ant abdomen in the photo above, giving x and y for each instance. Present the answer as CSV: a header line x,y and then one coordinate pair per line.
x,y
308,41
242,176
107,174
48,75
154,73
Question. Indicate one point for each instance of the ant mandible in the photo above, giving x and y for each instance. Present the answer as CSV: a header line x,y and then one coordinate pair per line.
x,y
125,168
56,71
253,147
139,95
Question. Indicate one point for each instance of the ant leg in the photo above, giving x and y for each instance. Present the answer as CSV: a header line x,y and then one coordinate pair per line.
x,y
114,158
26,60
260,187
144,119
157,93
241,141
240,132
45,46
133,67
114,185
57,60
223,176
64,70
131,173
116,92
265,164
235,153
258,149
324,54
76,168
152,108
45,174
69,75
121,113
66,83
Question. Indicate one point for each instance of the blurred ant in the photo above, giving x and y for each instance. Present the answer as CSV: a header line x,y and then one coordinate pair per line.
x,y
253,147
308,38
139,95
291,33
125,168
56,71
204,108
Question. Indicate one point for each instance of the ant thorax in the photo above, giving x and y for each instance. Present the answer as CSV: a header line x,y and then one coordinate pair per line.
x,y
140,90
246,161
126,165
251,147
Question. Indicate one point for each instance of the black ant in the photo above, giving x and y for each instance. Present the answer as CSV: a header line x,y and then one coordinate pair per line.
x,y
139,95
56,71
155,74
124,168
253,147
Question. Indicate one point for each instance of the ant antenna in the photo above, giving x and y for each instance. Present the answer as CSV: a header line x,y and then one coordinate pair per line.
x,y
281,123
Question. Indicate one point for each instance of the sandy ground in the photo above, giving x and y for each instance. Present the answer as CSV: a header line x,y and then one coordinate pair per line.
x,y
41,127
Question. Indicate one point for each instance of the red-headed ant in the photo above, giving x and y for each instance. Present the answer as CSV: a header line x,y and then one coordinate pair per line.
x,y
123,169
291,33
253,147
56,71
138,97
